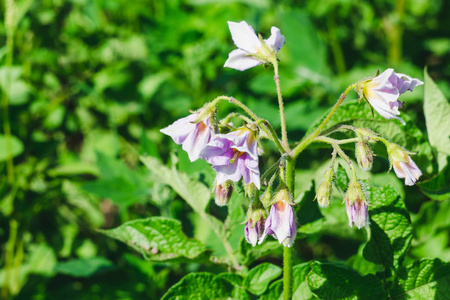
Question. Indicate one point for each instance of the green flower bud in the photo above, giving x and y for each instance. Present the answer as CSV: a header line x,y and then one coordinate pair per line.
x,y
250,190
323,195
266,197
364,155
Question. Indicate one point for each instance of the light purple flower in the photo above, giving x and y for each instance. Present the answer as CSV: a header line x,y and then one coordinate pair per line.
x,y
191,133
251,51
357,213
234,156
254,231
357,205
383,92
404,166
407,170
281,224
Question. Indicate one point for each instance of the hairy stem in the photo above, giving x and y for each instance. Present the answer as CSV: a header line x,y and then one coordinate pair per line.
x,y
310,138
287,272
281,106
288,251
265,125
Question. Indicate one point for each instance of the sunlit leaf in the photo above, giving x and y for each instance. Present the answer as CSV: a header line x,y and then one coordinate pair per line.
x,y
84,267
390,228
335,281
157,238
424,279
260,276
200,286
437,111
16,147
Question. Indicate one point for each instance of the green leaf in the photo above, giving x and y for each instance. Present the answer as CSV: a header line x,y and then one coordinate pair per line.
x,y
390,228
341,178
200,286
335,281
309,50
249,254
117,182
84,267
41,260
196,194
239,291
260,276
158,239
437,111
308,214
10,82
424,279
16,147
300,289
437,187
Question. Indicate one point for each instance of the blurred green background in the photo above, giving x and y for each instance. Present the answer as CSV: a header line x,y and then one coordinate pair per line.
x,y
90,83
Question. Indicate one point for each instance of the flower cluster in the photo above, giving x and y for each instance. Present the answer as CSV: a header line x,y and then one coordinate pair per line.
x,y
233,152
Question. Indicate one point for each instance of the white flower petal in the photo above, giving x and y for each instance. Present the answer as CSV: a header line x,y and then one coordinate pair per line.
x,y
180,129
238,59
276,40
244,37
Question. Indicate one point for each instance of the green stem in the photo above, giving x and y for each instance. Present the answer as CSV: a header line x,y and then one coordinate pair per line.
x,y
9,20
340,127
268,129
335,144
287,273
281,106
288,251
310,138
9,259
274,136
328,140
271,169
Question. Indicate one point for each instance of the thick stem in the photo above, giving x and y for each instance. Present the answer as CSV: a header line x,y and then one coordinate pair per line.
x,y
309,139
287,273
288,251
281,106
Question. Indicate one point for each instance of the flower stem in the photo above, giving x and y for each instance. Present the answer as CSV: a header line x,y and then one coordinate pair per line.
x,y
265,124
335,144
281,106
288,251
310,138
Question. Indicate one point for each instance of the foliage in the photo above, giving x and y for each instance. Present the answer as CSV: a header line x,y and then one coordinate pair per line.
x,y
95,203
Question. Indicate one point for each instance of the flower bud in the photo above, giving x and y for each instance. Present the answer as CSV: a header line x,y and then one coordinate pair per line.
x,y
281,221
357,204
250,190
323,195
364,155
404,166
223,193
367,133
266,197
256,218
